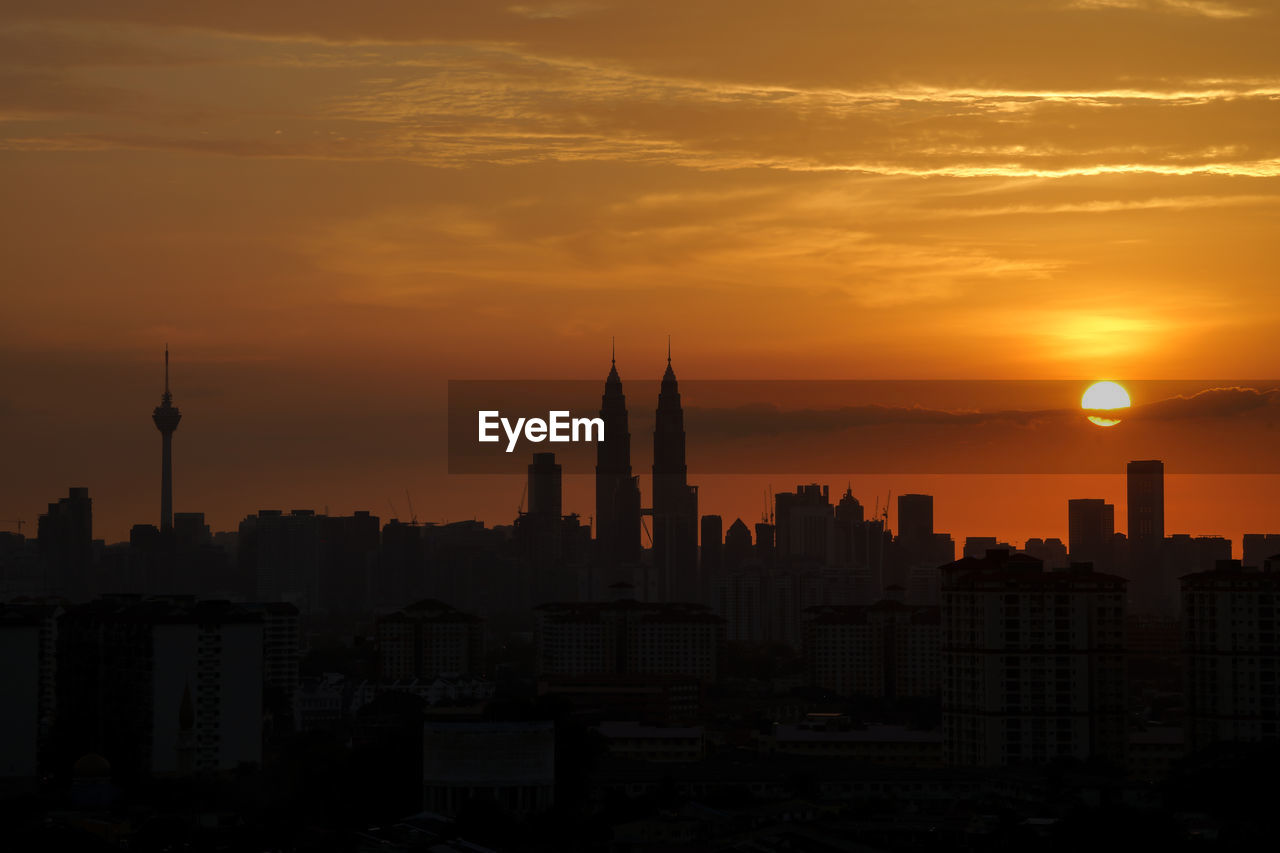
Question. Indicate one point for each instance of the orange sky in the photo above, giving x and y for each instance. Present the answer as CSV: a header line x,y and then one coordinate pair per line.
x,y
328,209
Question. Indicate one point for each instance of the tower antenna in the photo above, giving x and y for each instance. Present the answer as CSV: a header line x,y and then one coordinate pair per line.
x,y
613,350
668,350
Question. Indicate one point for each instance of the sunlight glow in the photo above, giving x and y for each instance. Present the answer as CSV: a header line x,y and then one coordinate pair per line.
x,y
1104,395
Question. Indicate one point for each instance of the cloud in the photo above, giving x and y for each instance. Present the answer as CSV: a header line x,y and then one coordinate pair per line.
x,y
1213,403
1202,8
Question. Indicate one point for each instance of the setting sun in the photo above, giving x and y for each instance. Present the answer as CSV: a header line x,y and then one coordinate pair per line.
x,y
1104,396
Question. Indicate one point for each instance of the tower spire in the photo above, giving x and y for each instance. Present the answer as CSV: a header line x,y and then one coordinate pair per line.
x,y
613,351
166,417
668,350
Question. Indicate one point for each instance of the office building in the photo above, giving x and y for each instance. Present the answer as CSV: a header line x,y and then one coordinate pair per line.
x,y
64,536
1091,526
1150,588
804,526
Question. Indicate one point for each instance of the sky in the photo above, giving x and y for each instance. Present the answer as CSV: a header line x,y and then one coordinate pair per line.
x,y
327,210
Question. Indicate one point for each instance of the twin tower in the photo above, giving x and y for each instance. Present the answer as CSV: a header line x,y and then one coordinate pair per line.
x,y
673,574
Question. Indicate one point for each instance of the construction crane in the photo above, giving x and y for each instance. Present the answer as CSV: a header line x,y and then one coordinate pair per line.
x,y
413,516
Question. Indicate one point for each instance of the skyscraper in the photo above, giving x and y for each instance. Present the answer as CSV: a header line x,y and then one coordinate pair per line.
x,y
617,491
65,538
545,492
804,526
1148,590
1091,525
675,502
915,518
711,551
166,417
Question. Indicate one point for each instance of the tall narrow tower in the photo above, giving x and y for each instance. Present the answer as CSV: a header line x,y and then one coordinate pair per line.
x,y
166,417
1149,589
675,502
617,491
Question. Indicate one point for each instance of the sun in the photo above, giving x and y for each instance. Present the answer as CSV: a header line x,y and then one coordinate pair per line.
x,y
1104,396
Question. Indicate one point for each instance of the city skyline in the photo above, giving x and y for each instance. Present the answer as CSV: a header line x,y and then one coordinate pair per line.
x,y
950,193
928,493
613,468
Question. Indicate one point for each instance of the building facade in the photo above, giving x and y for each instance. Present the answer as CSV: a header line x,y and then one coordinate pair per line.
x,y
1033,662
1229,631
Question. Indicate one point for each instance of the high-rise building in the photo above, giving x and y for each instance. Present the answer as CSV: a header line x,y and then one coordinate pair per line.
x,y
1259,547
1149,589
348,557
554,547
319,563
764,544
1184,554
918,547
849,517
675,502
545,490
539,528
617,491
283,554
1033,662
915,518
161,686
804,526
737,546
166,417
1052,552
711,547
20,670
1091,526
1233,657
978,546
64,536
281,646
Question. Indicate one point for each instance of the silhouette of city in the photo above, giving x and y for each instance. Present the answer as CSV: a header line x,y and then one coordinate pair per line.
x,y
649,680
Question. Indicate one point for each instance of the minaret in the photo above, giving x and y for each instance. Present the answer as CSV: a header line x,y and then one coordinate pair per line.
x,y
617,491
675,503
166,417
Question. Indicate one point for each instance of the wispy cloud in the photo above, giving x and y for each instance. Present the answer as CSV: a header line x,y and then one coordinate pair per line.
x,y
1203,8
